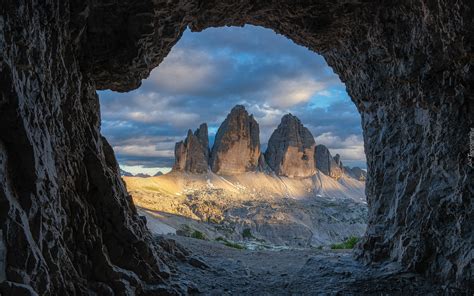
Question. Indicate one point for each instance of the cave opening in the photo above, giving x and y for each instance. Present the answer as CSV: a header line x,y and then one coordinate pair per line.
x,y
73,229
299,143
276,169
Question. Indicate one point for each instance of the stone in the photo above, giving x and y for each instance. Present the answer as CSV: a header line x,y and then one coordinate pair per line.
x,y
326,163
236,148
290,150
159,173
192,154
406,66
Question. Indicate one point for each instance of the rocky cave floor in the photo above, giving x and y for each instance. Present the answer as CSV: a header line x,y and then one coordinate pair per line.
x,y
216,269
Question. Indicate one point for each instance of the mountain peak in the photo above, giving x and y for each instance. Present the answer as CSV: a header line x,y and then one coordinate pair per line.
x,y
290,149
192,154
237,145
238,108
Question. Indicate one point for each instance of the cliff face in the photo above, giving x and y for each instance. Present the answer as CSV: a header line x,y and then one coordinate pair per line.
x,y
192,154
68,225
290,149
328,165
237,146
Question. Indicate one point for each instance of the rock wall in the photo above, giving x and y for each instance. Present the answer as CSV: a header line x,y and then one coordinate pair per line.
x,y
67,221
68,225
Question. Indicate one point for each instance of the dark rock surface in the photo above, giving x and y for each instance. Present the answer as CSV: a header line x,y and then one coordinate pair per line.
x,y
192,154
159,173
68,224
328,165
237,145
290,150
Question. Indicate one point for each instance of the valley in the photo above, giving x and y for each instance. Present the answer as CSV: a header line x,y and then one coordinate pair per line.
x,y
253,208
293,195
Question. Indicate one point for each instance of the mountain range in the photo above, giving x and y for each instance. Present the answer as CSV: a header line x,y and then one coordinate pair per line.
x,y
291,151
295,194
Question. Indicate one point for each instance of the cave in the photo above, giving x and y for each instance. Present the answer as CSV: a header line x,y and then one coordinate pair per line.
x,y
68,224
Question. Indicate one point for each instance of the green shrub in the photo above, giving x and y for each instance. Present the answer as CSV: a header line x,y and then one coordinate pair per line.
x,y
347,244
198,234
234,245
247,233
230,244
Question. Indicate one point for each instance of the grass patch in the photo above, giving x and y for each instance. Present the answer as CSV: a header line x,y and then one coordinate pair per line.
x,y
247,233
198,234
234,245
230,244
347,244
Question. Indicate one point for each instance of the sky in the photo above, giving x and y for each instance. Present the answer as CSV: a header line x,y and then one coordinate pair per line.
x,y
206,74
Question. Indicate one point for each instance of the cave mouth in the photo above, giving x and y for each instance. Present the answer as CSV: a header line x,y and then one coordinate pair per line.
x,y
205,75
68,224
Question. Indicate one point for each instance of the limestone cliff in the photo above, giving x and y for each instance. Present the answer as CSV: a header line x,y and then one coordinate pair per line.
x,y
237,145
192,154
290,149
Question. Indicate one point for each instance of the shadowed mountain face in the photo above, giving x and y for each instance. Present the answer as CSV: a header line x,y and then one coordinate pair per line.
x,y
290,149
236,149
68,224
192,154
328,165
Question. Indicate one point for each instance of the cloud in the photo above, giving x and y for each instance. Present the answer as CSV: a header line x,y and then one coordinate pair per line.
x,y
350,148
207,73
145,151
184,70
288,92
